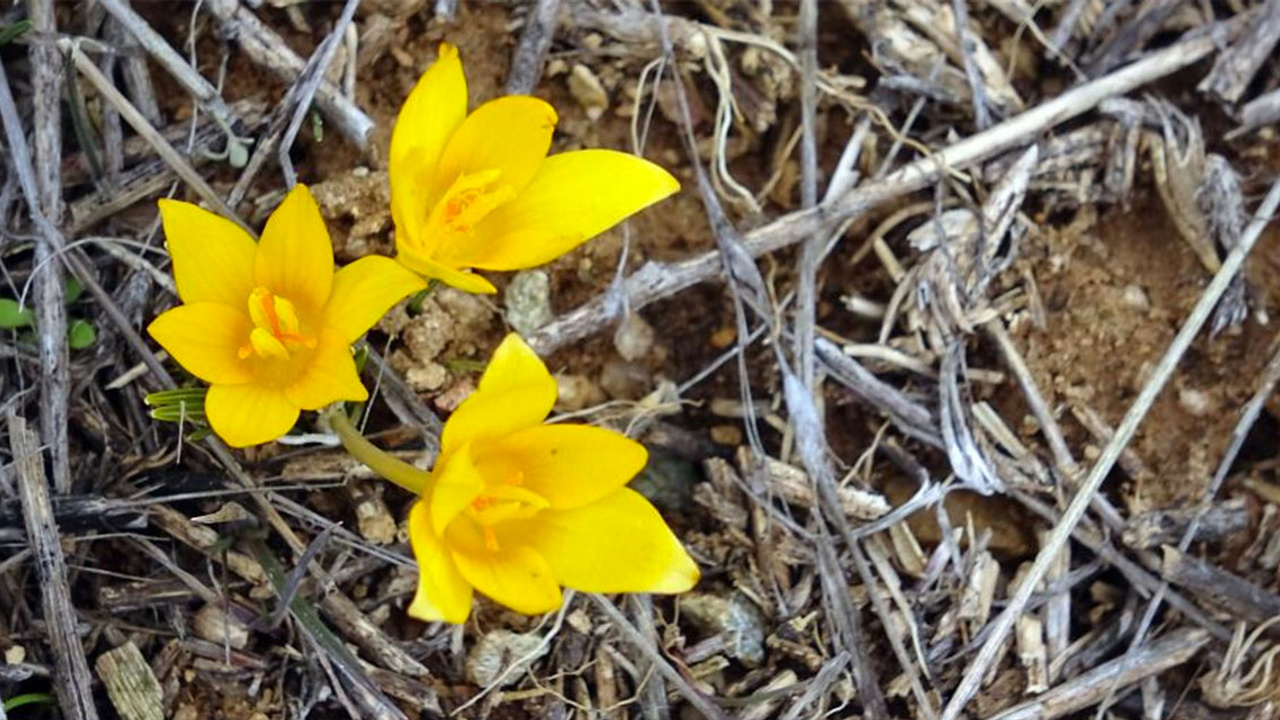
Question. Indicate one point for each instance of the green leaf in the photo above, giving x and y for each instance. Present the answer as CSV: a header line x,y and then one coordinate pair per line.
x,y
13,315
191,396
183,405
81,334
317,126
9,33
18,701
198,434
74,289
459,366
417,299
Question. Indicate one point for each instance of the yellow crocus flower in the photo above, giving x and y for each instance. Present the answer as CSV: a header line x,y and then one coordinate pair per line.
x,y
478,190
269,324
516,508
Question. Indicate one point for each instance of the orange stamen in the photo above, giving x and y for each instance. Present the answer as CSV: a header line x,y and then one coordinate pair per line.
x,y
268,303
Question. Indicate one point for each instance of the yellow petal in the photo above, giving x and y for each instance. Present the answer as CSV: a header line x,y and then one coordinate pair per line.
x,y
574,197
249,414
454,484
295,256
513,575
617,544
515,392
364,291
433,111
510,134
569,465
515,365
206,338
329,376
464,281
212,256
443,594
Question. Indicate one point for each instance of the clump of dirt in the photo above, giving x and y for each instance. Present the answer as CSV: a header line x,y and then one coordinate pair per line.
x,y
1115,290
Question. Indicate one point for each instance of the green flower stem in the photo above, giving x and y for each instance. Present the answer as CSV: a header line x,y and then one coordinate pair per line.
x,y
397,471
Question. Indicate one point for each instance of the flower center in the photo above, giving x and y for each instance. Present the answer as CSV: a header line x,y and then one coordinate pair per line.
x,y
505,500
277,332
468,200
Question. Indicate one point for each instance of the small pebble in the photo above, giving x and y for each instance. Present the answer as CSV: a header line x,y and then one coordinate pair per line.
x,y
373,518
587,89
528,301
634,338
735,617
212,623
624,380
451,397
1196,402
580,621
1136,298
730,435
555,67
427,334
724,337
426,378
575,392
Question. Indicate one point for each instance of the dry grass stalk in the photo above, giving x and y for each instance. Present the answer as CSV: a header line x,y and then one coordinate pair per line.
x,y
71,670
1090,688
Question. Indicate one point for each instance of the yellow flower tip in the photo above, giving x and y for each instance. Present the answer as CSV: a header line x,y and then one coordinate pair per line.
x,y
516,508
682,575
269,325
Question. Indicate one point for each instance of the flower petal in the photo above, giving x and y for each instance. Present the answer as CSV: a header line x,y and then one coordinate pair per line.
x,y
295,256
569,465
515,392
249,414
205,338
364,291
428,268
435,108
617,544
212,256
330,376
515,365
454,484
512,574
510,134
443,594
574,197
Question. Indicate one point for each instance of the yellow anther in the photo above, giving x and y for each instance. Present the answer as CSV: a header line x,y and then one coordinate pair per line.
x,y
267,345
277,329
490,540
469,200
